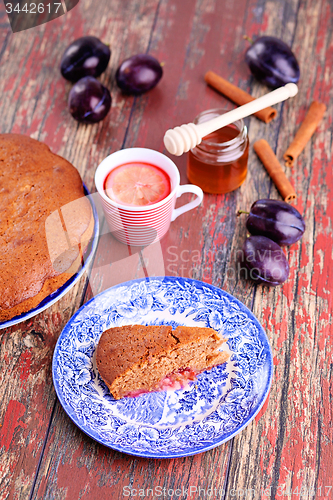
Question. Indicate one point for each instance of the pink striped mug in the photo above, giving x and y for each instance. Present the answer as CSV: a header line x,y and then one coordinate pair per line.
x,y
143,225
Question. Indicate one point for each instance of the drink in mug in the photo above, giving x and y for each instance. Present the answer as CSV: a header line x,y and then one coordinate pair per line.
x,y
137,184
138,188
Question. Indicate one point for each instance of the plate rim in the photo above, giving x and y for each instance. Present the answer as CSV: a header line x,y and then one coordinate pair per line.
x,y
162,455
69,283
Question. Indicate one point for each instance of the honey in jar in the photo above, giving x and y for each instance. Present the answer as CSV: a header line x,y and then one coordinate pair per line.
x,y
219,163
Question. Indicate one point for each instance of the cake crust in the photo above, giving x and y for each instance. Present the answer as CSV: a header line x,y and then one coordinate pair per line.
x,y
34,184
136,358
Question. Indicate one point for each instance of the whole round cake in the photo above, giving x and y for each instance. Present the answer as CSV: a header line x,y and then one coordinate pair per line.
x,y
46,223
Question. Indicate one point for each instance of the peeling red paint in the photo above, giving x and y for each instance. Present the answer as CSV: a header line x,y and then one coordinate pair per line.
x,y
25,365
14,411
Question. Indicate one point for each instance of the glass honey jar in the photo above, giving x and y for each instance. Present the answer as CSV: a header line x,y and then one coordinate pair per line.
x,y
219,163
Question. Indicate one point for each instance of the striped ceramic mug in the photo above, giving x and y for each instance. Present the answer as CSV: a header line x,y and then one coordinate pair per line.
x,y
143,225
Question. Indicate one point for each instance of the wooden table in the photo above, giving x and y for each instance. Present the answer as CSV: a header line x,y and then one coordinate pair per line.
x,y
286,450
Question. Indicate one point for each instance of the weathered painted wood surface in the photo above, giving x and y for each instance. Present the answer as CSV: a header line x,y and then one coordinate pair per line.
x,y
286,451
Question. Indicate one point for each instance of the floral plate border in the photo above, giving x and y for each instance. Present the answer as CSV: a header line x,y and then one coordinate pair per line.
x,y
171,423
55,296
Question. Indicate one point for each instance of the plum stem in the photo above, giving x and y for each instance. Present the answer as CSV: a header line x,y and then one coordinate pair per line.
x,y
240,212
248,38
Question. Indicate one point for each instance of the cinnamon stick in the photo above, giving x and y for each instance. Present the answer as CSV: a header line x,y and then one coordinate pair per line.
x,y
305,132
237,95
273,167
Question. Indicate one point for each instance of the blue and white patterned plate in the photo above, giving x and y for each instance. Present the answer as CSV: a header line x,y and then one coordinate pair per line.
x,y
55,296
171,423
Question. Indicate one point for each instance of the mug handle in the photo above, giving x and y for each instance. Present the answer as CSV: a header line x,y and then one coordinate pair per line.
x,y
187,188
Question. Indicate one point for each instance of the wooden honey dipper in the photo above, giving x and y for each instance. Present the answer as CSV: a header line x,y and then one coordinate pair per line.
x,y
181,139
